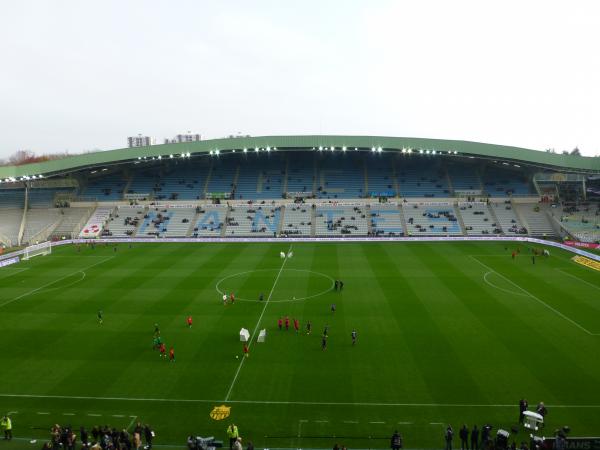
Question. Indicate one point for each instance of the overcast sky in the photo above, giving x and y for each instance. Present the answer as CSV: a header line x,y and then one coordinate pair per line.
x,y
80,75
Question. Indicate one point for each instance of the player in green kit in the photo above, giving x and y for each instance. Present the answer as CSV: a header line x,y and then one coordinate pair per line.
x,y
100,314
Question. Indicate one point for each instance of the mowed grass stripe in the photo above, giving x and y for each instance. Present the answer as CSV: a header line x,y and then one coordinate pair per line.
x,y
509,346
431,332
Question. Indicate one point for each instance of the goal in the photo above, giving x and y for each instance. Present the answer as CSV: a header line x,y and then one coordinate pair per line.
x,y
45,248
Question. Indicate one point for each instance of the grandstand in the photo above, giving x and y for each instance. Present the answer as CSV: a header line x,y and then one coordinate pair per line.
x,y
442,187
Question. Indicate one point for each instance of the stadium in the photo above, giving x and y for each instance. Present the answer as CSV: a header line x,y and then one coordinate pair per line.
x,y
341,288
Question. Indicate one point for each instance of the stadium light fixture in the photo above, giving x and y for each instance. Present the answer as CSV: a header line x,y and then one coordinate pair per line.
x,y
139,157
403,150
344,148
233,151
268,148
217,152
211,152
455,152
320,147
245,150
189,154
427,152
420,151
433,152
379,149
170,156
517,166
274,148
373,149
256,149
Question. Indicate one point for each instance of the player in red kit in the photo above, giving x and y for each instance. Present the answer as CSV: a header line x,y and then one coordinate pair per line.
x,y
287,323
232,297
280,323
246,350
172,354
296,325
163,350
189,321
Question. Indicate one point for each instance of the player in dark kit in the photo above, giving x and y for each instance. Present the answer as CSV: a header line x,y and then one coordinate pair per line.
x,y
335,285
324,342
100,319
261,297
287,323
163,350
341,285
171,354
353,337
296,325
326,330
308,327
156,330
333,307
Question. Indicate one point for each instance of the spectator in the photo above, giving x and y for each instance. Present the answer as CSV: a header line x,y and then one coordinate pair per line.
x,y
448,437
463,433
237,445
475,438
396,441
522,408
149,436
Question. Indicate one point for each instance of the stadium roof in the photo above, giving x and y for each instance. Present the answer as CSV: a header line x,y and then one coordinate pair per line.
x,y
560,162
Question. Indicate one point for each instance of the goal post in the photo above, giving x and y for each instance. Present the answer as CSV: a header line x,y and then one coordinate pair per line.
x,y
45,248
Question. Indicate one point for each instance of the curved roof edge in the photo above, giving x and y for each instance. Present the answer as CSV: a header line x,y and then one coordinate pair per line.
x,y
535,157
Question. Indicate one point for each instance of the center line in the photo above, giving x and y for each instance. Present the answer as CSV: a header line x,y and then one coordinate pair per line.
x,y
258,324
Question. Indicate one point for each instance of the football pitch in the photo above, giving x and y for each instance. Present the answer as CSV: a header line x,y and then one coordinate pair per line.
x,y
448,333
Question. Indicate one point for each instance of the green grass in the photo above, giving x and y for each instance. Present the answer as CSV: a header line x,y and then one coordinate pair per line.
x,y
448,333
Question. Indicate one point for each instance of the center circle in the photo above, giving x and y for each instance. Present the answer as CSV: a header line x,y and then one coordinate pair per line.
x,y
222,284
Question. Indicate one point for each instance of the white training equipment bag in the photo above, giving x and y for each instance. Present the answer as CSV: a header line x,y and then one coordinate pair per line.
x,y
281,255
262,335
244,335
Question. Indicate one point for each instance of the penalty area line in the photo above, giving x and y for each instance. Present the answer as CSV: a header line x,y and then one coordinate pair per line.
x,y
33,291
541,302
237,372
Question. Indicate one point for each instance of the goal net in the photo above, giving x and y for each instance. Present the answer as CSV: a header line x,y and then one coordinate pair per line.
x,y
45,248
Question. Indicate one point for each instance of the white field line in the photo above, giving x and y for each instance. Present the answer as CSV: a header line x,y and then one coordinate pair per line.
x,y
557,312
580,279
237,372
350,421
404,423
43,413
321,421
290,402
19,270
489,283
376,422
68,414
131,423
94,415
33,291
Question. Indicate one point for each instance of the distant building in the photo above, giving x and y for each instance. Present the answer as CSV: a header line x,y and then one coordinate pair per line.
x,y
139,141
180,138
